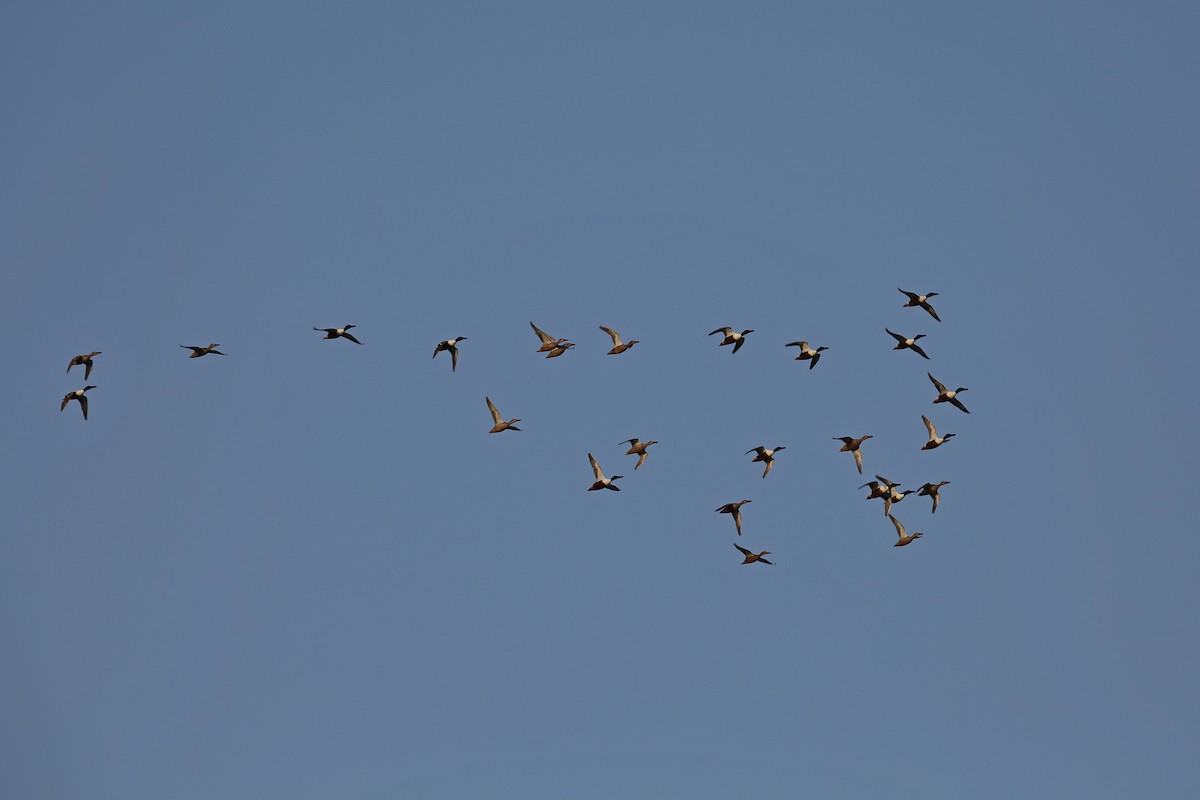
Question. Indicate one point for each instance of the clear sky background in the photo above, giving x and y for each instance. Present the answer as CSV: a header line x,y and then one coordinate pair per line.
x,y
305,570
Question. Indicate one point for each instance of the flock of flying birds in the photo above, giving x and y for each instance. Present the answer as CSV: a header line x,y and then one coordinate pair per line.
x,y
882,488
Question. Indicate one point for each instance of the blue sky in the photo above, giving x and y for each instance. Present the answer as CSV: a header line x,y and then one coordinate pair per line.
x,y
305,569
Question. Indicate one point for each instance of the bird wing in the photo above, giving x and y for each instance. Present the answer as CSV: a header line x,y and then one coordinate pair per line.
x,y
725,331
763,560
495,412
936,383
641,460
910,295
66,400
541,334
917,349
596,467
897,336
958,404
350,336
929,427
615,336
899,527
801,345
738,344
858,460
770,464
932,313
737,520
87,369
83,404
813,362
744,550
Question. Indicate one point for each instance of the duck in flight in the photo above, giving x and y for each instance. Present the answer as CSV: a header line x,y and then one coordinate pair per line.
x,y
334,333
947,396
501,424
934,439
638,448
922,300
79,395
558,349
904,537
202,351
764,455
807,353
548,341
601,481
752,557
735,510
450,346
931,490
908,343
852,445
732,337
618,346
86,362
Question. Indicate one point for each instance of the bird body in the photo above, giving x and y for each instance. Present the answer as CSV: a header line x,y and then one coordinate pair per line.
x,y
735,510
618,346
601,481
86,361
501,424
78,394
766,455
908,343
638,448
903,537
752,557
934,439
732,337
450,346
852,445
807,353
202,351
921,300
947,396
335,333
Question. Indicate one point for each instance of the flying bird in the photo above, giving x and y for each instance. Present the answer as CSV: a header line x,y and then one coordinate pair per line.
x,y
732,337
500,425
334,333
450,346
908,343
807,353
618,346
79,395
560,348
86,361
931,490
765,455
752,557
947,396
904,538
202,351
638,448
921,300
852,445
734,509
548,341
934,439
601,481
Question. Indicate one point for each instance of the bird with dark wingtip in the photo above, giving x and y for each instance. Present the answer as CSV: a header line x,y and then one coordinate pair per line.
x,y
638,448
908,343
752,557
450,346
601,481
500,423
732,337
336,333
764,454
947,396
921,300
852,445
807,353
86,361
79,395
203,351
734,510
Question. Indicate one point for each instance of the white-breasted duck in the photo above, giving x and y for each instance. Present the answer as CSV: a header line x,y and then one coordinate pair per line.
x,y
638,448
735,510
947,396
202,351
921,300
904,537
618,345
339,333
501,423
807,353
79,395
852,445
931,490
732,337
601,481
86,361
766,455
934,439
752,557
450,346
908,343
